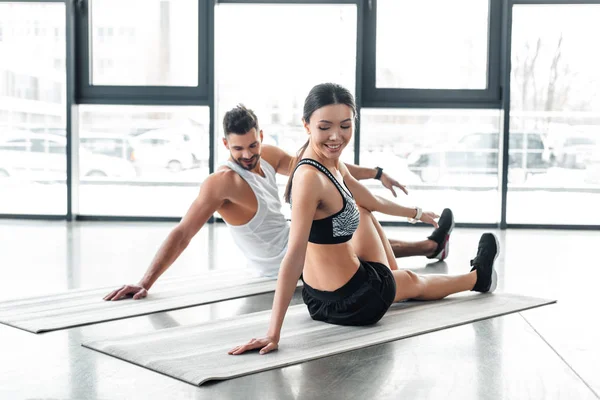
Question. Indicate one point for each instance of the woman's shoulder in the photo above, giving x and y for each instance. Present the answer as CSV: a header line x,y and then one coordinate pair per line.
x,y
308,177
305,171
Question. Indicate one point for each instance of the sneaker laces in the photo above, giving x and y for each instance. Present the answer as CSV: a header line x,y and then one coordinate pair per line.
x,y
483,254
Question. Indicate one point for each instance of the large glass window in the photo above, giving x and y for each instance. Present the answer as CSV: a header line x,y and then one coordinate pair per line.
x,y
144,42
141,160
447,158
555,124
271,63
32,109
432,44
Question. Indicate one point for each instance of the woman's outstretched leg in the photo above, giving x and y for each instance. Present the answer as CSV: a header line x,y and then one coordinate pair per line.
x,y
371,244
482,277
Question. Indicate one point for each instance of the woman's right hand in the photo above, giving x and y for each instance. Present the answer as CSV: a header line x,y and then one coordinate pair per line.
x,y
265,345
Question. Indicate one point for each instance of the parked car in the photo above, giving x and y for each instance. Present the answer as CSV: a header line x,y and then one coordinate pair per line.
x,y
575,151
169,148
109,144
43,156
477,153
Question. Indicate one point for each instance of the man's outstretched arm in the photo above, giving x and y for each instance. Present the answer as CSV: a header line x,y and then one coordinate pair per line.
x,y
212,195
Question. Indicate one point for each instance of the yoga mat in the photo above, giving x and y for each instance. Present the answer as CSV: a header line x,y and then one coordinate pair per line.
x,y
198,353
85,306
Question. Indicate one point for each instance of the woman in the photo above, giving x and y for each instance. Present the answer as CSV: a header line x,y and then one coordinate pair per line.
x,y
348,268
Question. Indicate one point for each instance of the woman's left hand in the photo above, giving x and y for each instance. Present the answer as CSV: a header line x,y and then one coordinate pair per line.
x,y
429,217
390,182
265,345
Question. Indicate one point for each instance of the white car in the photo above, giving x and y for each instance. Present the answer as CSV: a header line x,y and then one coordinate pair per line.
x,y
478,154
43,156
169,148
576,151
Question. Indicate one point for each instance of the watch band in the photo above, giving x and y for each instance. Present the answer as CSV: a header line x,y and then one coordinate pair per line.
x,y
417,217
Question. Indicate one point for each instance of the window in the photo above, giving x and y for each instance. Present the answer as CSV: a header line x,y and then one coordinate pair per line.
x,y
432,44
274,74
141,160
554,103
162,52
28,62
432,53
275,59
447,158
158,56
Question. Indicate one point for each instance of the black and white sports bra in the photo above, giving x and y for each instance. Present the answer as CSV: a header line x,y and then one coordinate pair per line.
x,y
339,227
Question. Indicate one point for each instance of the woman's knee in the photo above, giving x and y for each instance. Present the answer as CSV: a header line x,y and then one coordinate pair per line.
x,y
408,285
367,217
366,222
364,213
413,279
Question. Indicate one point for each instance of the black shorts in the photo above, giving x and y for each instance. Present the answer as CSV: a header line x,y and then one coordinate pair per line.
x,y
362,301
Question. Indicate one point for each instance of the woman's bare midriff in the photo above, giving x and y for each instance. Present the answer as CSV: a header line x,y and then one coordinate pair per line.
x,y
329,266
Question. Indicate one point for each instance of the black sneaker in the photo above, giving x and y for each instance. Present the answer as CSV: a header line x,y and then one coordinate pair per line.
x,y
483,263
442,235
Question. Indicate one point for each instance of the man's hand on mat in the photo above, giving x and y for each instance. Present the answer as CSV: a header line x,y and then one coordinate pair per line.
x,y
137,291
429,218
390,182
265,345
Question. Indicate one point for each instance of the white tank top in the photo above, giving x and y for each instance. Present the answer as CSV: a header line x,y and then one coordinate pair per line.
x,y
264,239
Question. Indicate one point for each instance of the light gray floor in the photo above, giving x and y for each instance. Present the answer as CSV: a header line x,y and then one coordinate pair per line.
x,y
548,353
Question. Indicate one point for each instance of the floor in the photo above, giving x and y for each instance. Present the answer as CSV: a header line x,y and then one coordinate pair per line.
x,y
548,353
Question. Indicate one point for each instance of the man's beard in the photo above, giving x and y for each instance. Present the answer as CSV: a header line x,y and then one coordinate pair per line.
x,y
251,165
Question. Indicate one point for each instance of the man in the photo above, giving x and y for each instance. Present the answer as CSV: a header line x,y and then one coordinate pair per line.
x,y
245,194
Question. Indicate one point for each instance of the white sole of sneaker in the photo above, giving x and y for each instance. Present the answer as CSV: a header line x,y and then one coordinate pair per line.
x,y
451,226
494,274
442,255
447,247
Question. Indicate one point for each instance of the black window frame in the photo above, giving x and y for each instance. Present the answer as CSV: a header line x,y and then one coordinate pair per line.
x,y
496,96
86,93
491,97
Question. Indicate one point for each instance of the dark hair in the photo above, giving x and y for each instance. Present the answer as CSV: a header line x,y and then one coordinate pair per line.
x,y
319,96
239,120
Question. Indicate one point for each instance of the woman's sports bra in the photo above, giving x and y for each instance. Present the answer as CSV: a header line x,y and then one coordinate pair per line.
x,y
339,227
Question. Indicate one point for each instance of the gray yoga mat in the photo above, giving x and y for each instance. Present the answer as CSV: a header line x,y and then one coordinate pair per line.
x,y
85,306
198,353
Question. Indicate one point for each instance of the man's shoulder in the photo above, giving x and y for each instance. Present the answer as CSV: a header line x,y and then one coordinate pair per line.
x,y
271,154
226,173
269,149
278,158
224,178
